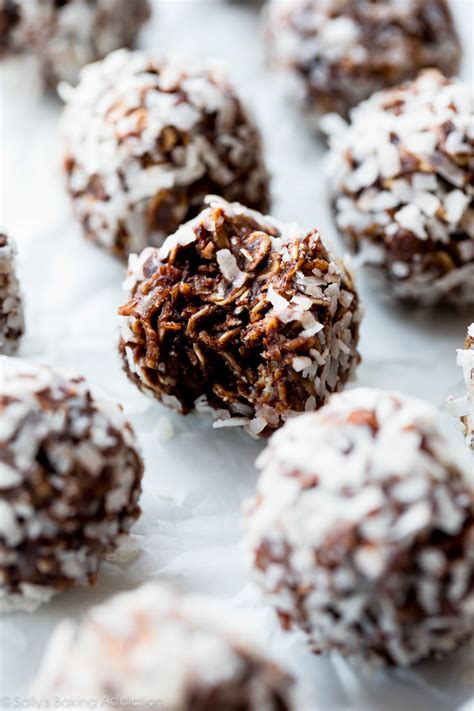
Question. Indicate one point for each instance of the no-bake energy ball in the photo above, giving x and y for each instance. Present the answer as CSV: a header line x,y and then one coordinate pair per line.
x,y
464,407
402,185
69,482
341,51
12,323
241,313
151,644
361,532
69,34
147,139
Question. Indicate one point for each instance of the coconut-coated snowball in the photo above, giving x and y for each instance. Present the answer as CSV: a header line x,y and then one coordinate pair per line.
x,y
402,187
464,407
152,644
12,323
69,482
146,139
342,51
66,35
361,531
241,313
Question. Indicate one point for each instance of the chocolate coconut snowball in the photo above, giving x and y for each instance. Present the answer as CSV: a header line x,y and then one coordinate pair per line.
x,y
342,51
12,324
361,531
146,139
243,314
69,482
67,35
402,185
152,644
464,407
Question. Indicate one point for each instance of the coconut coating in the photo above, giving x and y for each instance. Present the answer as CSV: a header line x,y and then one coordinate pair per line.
x,y
69,482
402,184
342,51
12,324
463,407
153,644
67,35
241,313
361,532
146,139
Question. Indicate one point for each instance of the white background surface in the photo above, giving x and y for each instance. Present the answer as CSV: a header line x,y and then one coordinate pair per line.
x,y
195,482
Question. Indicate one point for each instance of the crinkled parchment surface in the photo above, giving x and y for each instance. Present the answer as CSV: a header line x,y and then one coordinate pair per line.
x,y
195,482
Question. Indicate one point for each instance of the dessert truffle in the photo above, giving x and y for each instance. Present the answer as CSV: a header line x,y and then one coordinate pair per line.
x,y
361,532
146,139
67,35
12,325
464,407
70,481
342,51
402,185
153,644
241,313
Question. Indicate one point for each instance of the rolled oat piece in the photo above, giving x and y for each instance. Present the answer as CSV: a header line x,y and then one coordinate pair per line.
x,y
171,651
146,139
69,482
241,313
402,189
361,532
463,407
12,323
67,35
342,51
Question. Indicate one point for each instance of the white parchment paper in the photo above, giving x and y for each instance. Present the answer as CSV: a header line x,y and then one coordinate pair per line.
x,y
195,481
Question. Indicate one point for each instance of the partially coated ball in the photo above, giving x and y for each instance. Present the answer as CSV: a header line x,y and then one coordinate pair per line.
x,y
243,314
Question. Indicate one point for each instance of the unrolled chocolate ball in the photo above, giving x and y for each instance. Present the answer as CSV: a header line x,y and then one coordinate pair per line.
x,y
170,651
402,185
69,482
241,313
342,51
361,532
67,35
147,139
463,407
12,324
